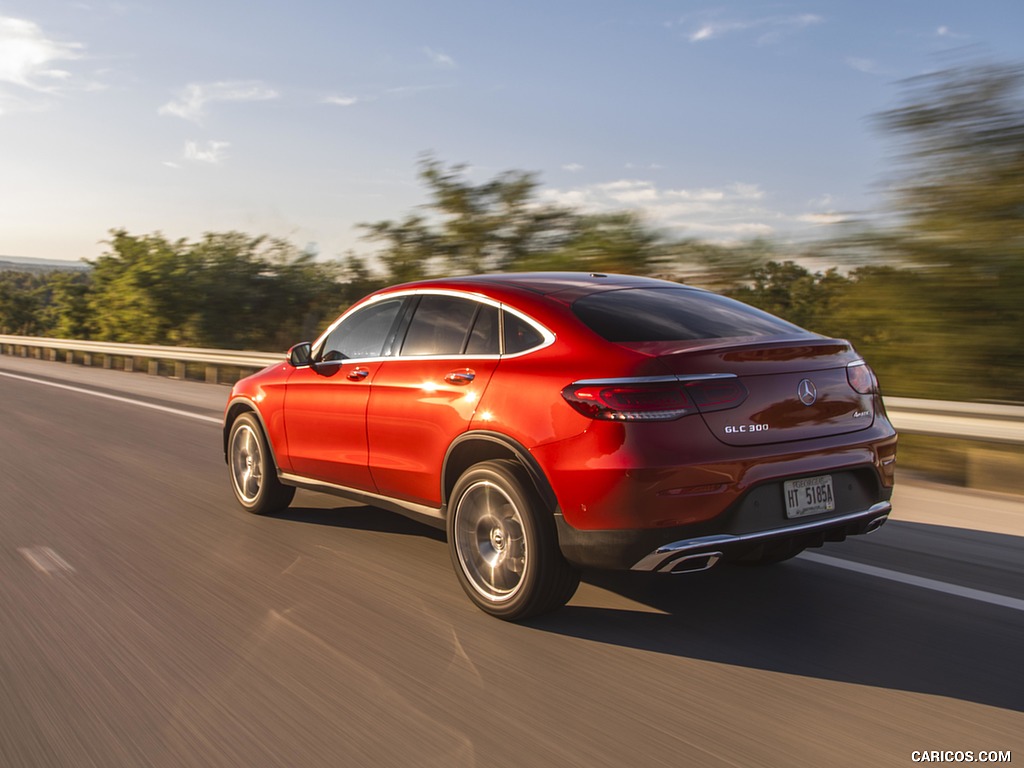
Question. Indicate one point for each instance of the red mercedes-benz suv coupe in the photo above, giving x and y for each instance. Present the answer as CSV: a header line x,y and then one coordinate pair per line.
x,y
558,421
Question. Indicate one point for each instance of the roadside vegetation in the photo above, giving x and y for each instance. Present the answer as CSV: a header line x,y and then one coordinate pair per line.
x,y
934,298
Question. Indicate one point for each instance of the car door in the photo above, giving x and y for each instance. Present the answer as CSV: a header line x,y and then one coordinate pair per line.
x,y
325,402
427,394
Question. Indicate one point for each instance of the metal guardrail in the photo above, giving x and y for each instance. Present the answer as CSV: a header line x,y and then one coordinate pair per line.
x,y
987,422
126,355
940,418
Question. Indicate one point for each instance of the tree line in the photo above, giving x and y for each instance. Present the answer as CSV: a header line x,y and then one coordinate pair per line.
x,y
934,301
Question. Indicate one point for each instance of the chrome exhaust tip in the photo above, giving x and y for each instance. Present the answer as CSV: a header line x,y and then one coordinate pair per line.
x,y
691,563
875,524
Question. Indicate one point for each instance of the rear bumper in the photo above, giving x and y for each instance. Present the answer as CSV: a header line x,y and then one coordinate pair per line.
x,y
753,526
704,551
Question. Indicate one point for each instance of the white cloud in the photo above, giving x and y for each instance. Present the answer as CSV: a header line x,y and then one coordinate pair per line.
x,y
629,191
946,32
724,213
701,195
193,99
439,58
26,55
867,66
704,33
28,60
746,191
340,101
572,167
773,28
821,218
214,153
826,212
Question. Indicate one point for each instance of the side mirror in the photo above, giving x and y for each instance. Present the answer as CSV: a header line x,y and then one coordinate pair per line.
x,y
300,354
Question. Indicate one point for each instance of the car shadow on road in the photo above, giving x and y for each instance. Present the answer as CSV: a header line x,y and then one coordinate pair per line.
x,y
803,618
797,618
360,518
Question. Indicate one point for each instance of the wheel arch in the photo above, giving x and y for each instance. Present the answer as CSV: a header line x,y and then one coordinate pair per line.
x,y
236,408
481,445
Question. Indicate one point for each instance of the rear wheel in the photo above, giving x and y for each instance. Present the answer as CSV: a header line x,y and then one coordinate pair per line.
x,y
504,546
253,474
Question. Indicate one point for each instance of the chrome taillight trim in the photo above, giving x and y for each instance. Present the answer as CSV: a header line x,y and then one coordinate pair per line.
x,y
627,380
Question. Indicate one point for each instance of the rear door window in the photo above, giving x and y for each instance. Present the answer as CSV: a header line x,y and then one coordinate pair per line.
x,y
484,339
440,326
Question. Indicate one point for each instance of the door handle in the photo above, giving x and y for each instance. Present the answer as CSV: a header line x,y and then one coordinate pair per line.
x,y
358,374
464,376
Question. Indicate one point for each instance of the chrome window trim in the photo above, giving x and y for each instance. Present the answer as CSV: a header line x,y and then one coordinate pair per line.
x,y
317,347
548,338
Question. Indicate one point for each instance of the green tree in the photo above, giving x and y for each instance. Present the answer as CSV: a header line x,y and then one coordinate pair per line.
x,y
20,303
602,242
228,289
960,200
794,293
65,313
502,225
142,290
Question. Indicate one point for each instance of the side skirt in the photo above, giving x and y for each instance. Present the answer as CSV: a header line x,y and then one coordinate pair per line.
x,y
432,516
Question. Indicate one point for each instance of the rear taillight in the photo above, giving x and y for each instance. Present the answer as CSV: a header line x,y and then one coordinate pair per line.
x,y
653,399
718,394
861,378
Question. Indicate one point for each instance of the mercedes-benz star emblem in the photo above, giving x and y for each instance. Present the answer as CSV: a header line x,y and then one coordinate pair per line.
x,y
806,392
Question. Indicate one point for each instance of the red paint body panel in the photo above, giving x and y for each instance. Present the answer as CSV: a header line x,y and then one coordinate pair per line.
x,y
618,476
414,415
325,419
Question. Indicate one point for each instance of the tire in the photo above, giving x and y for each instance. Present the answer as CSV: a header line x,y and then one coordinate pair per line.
x,y
503,544
253,473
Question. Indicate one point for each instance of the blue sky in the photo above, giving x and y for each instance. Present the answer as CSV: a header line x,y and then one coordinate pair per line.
x,y
302,119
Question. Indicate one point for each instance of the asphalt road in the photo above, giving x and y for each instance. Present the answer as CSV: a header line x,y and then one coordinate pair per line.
x,y
146,620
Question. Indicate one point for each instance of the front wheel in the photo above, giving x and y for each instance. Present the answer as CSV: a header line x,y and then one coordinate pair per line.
x,y
503,544
253,474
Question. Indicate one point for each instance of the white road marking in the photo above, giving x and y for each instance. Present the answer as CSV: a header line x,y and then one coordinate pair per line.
x,y
917,581
45,559
117,398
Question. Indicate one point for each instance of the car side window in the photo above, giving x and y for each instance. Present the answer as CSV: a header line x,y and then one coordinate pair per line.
x,y
483,339
440,326
363,333
519,334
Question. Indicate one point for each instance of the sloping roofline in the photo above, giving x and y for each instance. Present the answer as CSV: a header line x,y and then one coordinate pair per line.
x,y
568,286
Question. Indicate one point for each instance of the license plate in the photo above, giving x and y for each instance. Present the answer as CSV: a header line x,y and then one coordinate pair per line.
x,y
809,496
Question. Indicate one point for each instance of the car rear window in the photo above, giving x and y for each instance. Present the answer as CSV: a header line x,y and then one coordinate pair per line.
x,y
674,314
